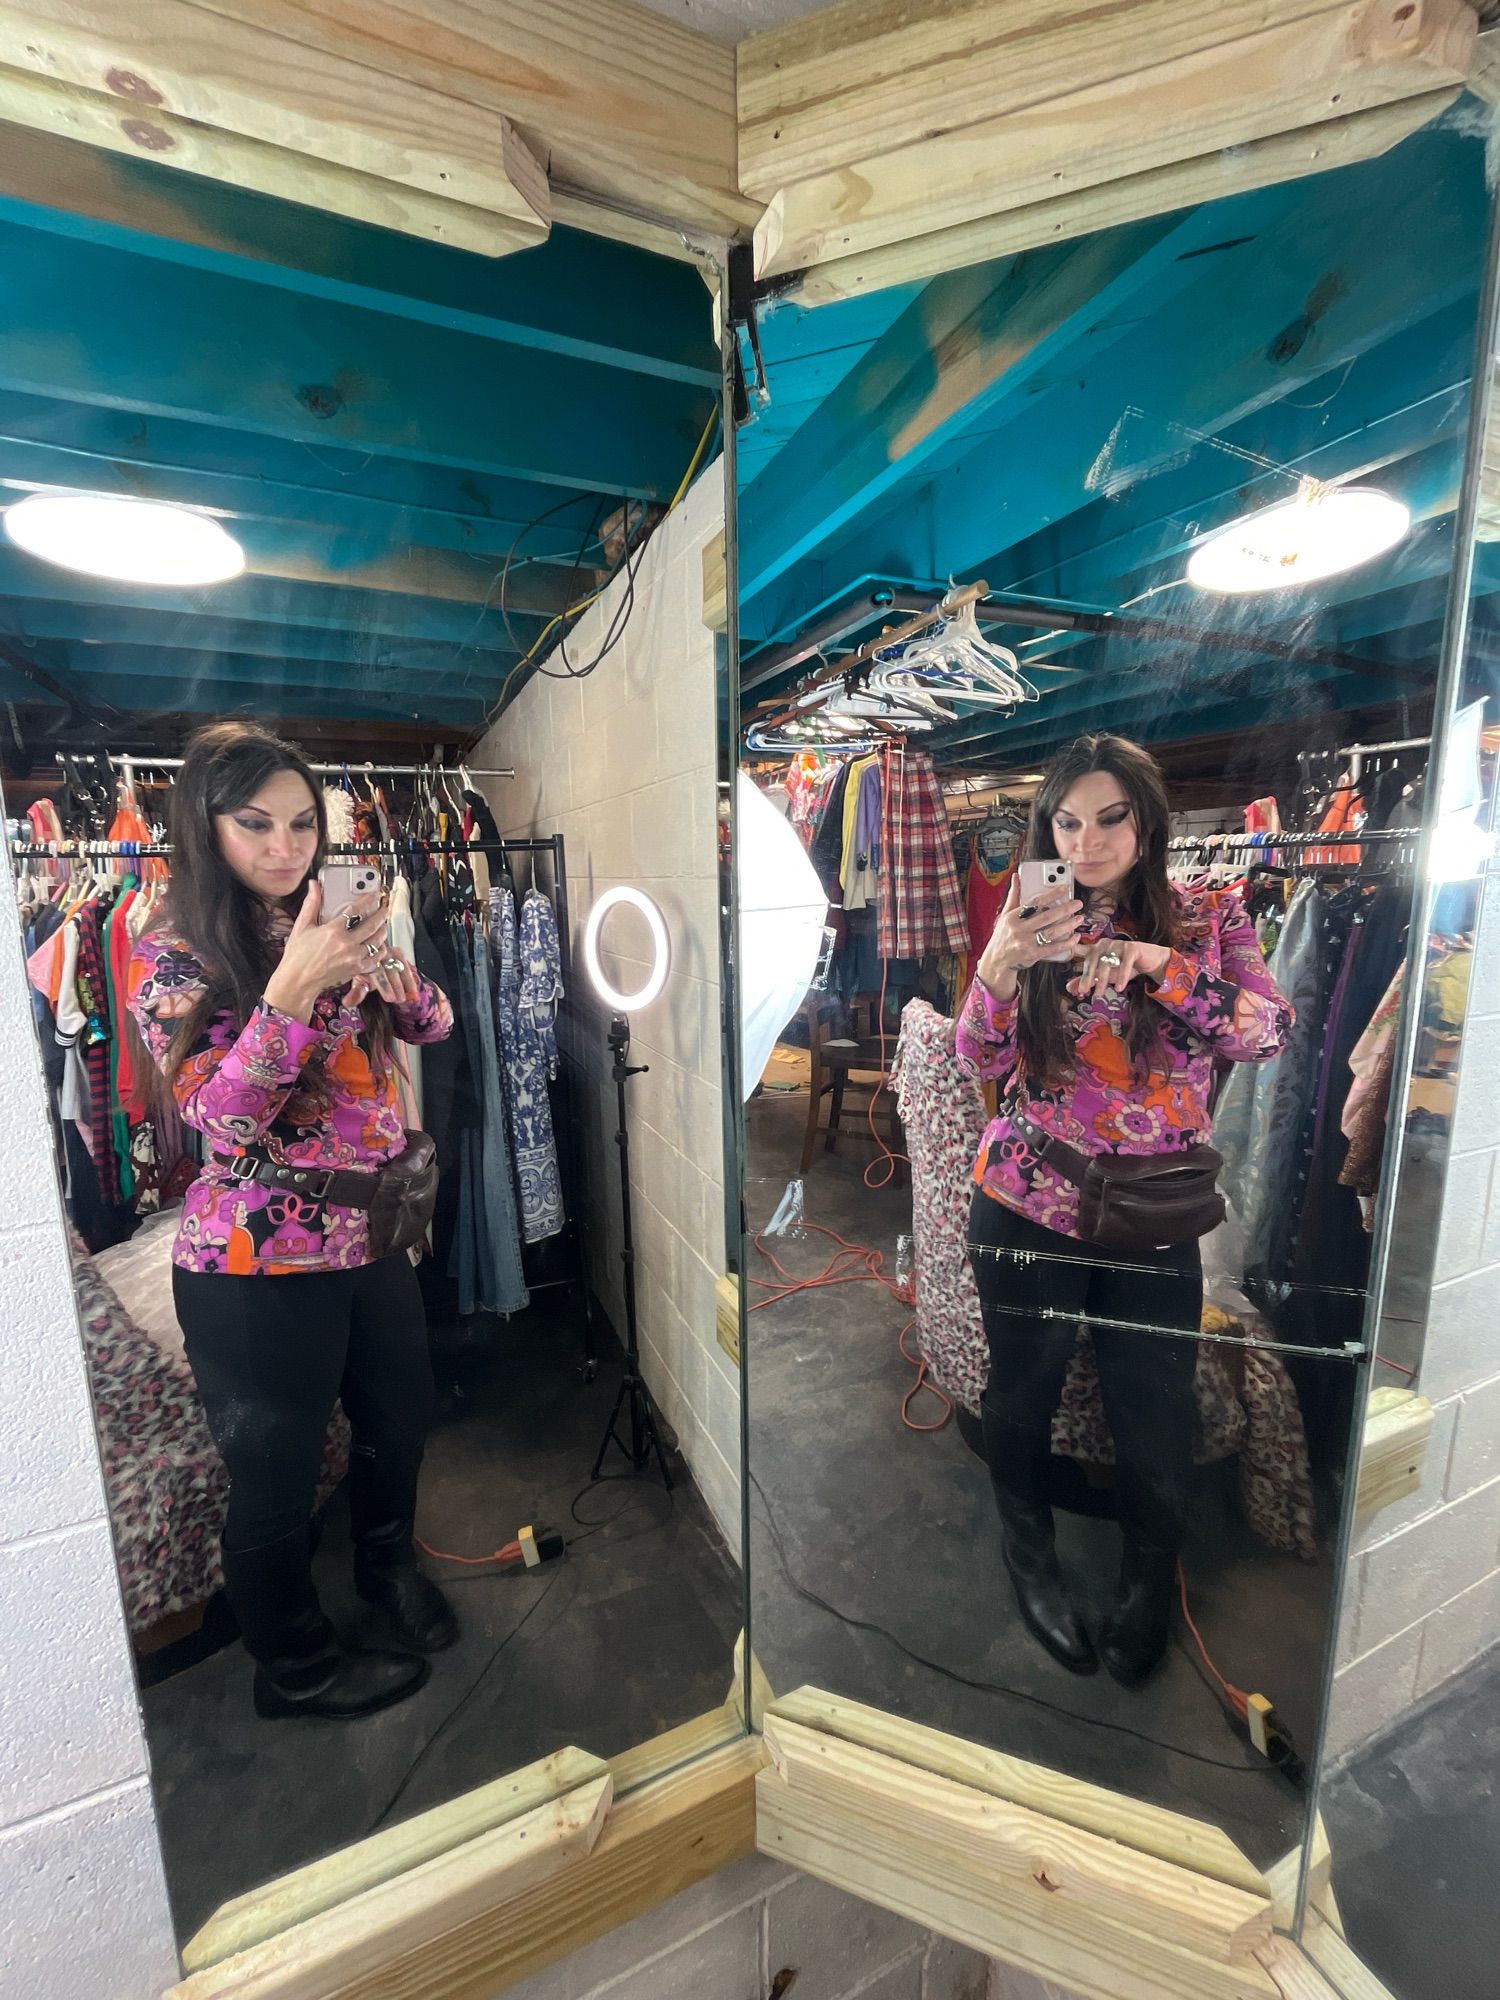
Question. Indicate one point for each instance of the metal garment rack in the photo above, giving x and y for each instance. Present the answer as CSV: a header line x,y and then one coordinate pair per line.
x,y
131,765
396,848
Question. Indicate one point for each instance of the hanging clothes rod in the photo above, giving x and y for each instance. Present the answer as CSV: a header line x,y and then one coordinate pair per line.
x,y
130,764
894,635
397,848
1249,843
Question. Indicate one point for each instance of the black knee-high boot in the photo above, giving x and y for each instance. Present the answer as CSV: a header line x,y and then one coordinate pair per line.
x,y
1027,1541
386,1573
300,1666
1152,1505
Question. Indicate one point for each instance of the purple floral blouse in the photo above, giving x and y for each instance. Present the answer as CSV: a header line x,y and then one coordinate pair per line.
x,y
1218,1001
308,1094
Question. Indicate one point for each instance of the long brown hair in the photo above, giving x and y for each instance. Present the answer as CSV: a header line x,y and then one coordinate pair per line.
x,y
221,920
1148,904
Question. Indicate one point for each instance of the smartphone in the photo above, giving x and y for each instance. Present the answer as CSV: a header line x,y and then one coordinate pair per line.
x,y
342,881
1035,879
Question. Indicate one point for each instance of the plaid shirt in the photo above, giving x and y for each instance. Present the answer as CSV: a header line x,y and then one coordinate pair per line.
x,y
921,908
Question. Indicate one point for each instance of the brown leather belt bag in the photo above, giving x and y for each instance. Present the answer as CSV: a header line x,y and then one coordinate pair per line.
x,y
398,1197
1135,1201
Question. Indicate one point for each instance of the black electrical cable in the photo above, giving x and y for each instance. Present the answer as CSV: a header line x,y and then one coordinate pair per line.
x,y
461,1704
984,1687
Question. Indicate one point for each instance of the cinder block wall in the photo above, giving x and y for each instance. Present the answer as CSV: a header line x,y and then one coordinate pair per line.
x,y
728,1938
1423,1594
83,1901
623,765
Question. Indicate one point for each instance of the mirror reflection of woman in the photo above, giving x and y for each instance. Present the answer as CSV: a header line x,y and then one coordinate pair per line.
x,y
1103,1013
276,1034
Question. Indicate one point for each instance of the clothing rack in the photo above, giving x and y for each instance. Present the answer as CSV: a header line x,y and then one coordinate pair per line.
x,y
1249,843
895,635
1354,754
130,765
397,848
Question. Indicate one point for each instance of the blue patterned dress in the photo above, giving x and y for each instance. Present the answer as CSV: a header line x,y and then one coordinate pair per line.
x,y
528,960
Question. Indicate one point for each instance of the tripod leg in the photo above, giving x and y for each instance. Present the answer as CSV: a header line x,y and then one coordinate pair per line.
x,y
609,1431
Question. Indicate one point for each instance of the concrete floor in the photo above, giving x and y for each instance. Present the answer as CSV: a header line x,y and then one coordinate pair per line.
x,y
629,1634
898,1529
1415,1834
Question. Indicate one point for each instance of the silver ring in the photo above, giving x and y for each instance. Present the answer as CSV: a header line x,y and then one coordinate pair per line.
x,y
1110,958
372,950
1042,938
391,965
353,921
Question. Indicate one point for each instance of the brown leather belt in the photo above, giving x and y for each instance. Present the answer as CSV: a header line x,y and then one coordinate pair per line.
x,y
345,1187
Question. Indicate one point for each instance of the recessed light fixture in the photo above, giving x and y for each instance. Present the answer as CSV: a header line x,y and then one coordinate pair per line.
x,y
1325,530
124,539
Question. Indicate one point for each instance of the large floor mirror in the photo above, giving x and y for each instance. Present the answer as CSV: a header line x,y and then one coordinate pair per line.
x,y
346,665
1092,607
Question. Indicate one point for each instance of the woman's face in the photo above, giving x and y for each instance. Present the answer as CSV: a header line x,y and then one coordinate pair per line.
x,y
1094,828
269,842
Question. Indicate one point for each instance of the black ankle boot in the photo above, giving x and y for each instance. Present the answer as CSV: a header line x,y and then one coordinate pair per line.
x,y
386,1573
1030,1557
300,1666
1135,1633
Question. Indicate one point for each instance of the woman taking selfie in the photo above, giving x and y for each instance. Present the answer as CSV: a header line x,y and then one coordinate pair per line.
x,y
1102,1004
275,1032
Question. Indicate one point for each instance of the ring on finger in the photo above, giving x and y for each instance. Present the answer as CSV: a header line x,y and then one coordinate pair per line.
x,y
1042,938
372,950
353,921
392,965
1110,958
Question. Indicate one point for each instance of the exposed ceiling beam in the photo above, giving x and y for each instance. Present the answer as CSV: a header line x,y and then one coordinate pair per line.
x,y
47,442
217,350
992,108
579,296
1272,310
967,343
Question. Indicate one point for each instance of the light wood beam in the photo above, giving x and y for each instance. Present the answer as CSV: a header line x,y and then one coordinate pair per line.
x,y
173,57
1185,184
47,104
618,100
1153,1830
1356,57
307,1892
1393,1450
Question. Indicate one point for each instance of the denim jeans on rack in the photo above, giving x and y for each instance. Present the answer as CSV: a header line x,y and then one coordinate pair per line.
x,y
486,1255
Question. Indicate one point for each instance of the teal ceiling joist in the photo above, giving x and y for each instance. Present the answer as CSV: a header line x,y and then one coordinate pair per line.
x,y
263,600
578,296
207,465
162,695
125,667
165,341
92,627
1353,259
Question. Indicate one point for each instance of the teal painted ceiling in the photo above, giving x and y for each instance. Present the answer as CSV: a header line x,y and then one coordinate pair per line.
x,y
1068,424
378,420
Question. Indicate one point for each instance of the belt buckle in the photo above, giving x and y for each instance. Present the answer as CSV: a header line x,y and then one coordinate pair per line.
x,y
242,1168
325,1176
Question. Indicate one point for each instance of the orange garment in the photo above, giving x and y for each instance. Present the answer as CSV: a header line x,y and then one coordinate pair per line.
x,y
1345,814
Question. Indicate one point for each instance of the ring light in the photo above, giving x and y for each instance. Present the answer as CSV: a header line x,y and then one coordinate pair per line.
x,y
656,978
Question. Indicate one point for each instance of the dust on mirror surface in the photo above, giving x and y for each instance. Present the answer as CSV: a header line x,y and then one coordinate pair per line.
x,y
313,776
1090,613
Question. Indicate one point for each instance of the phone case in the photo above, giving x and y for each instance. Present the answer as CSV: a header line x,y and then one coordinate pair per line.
x,y
342,881
1036,877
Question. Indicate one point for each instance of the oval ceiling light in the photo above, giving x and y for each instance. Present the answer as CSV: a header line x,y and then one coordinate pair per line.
x,y
1325,530
124,539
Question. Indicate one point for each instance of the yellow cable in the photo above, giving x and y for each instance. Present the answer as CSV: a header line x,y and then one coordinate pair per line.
x,y
584,602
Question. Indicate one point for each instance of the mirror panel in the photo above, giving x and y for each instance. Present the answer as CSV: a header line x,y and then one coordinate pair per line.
x,y
468,495
1053,443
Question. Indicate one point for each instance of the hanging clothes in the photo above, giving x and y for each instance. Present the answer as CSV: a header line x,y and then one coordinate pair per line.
x,y
401,930
921,909
860,871
485,1257
528,967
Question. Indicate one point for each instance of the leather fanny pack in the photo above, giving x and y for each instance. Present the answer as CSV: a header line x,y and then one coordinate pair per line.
x,y
1135,1201
398,1198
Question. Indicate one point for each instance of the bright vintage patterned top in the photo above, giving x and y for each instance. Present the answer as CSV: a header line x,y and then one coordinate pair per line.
x,y
308,1094
1218,1001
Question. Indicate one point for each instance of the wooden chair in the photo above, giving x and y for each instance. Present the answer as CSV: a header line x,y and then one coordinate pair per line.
x,y
849,1067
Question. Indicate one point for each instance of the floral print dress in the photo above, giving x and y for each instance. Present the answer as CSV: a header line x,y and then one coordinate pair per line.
x,y
1219,1004
308,1094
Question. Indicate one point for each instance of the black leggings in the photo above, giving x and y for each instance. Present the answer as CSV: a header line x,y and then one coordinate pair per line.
x,y
273,1355
1146,1379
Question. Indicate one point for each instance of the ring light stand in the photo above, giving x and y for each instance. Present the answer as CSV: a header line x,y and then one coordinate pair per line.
x,y
633,1395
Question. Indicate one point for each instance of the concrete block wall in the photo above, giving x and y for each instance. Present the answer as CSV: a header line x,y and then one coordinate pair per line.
x,y
1422,1599
83,1899
730,1937
623,764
